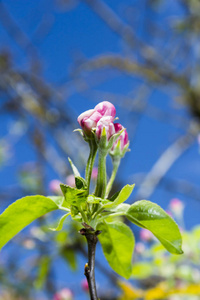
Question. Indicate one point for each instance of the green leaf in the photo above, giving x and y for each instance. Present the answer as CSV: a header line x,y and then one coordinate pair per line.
x,y
57,199
121,208
73,196
79,181
120,196
60,224
21,213
117,241
152,217
93,199
74,168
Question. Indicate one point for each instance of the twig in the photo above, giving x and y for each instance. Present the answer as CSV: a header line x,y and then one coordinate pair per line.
x,y
91,237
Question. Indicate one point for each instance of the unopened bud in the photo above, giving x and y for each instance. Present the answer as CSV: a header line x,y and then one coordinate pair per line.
x,y
106,108
120,146
105,122
88,120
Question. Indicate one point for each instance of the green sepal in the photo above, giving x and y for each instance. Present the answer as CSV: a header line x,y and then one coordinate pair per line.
x,y
118,242
117,152
73,196
152,217
60,223
21,213
103,143
120,196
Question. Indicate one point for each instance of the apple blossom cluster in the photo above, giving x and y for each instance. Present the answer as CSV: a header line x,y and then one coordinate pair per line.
x,y
99,122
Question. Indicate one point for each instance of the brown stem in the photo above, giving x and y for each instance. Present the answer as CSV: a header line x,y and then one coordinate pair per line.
x,y
91,237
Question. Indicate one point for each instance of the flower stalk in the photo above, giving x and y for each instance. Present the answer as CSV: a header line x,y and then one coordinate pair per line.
x,y
90,162
100,190
116,162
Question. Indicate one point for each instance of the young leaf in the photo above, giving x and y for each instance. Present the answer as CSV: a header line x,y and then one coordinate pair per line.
x,y
80,183
93,199
152,217
57,199
72,195
120,196
21,213
117,241
60,224
74,168
118,211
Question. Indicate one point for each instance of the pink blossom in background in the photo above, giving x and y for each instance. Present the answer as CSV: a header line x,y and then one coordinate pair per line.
x,y
105,122
54,186
139,248
64,294
94,173
70,180
169,213
176,206
84,285
146,235
29,244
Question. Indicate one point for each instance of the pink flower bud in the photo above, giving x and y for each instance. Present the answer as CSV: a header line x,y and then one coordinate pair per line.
x,y
84,285
64,294
54,186
106,108
88,120
122,139
105,122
